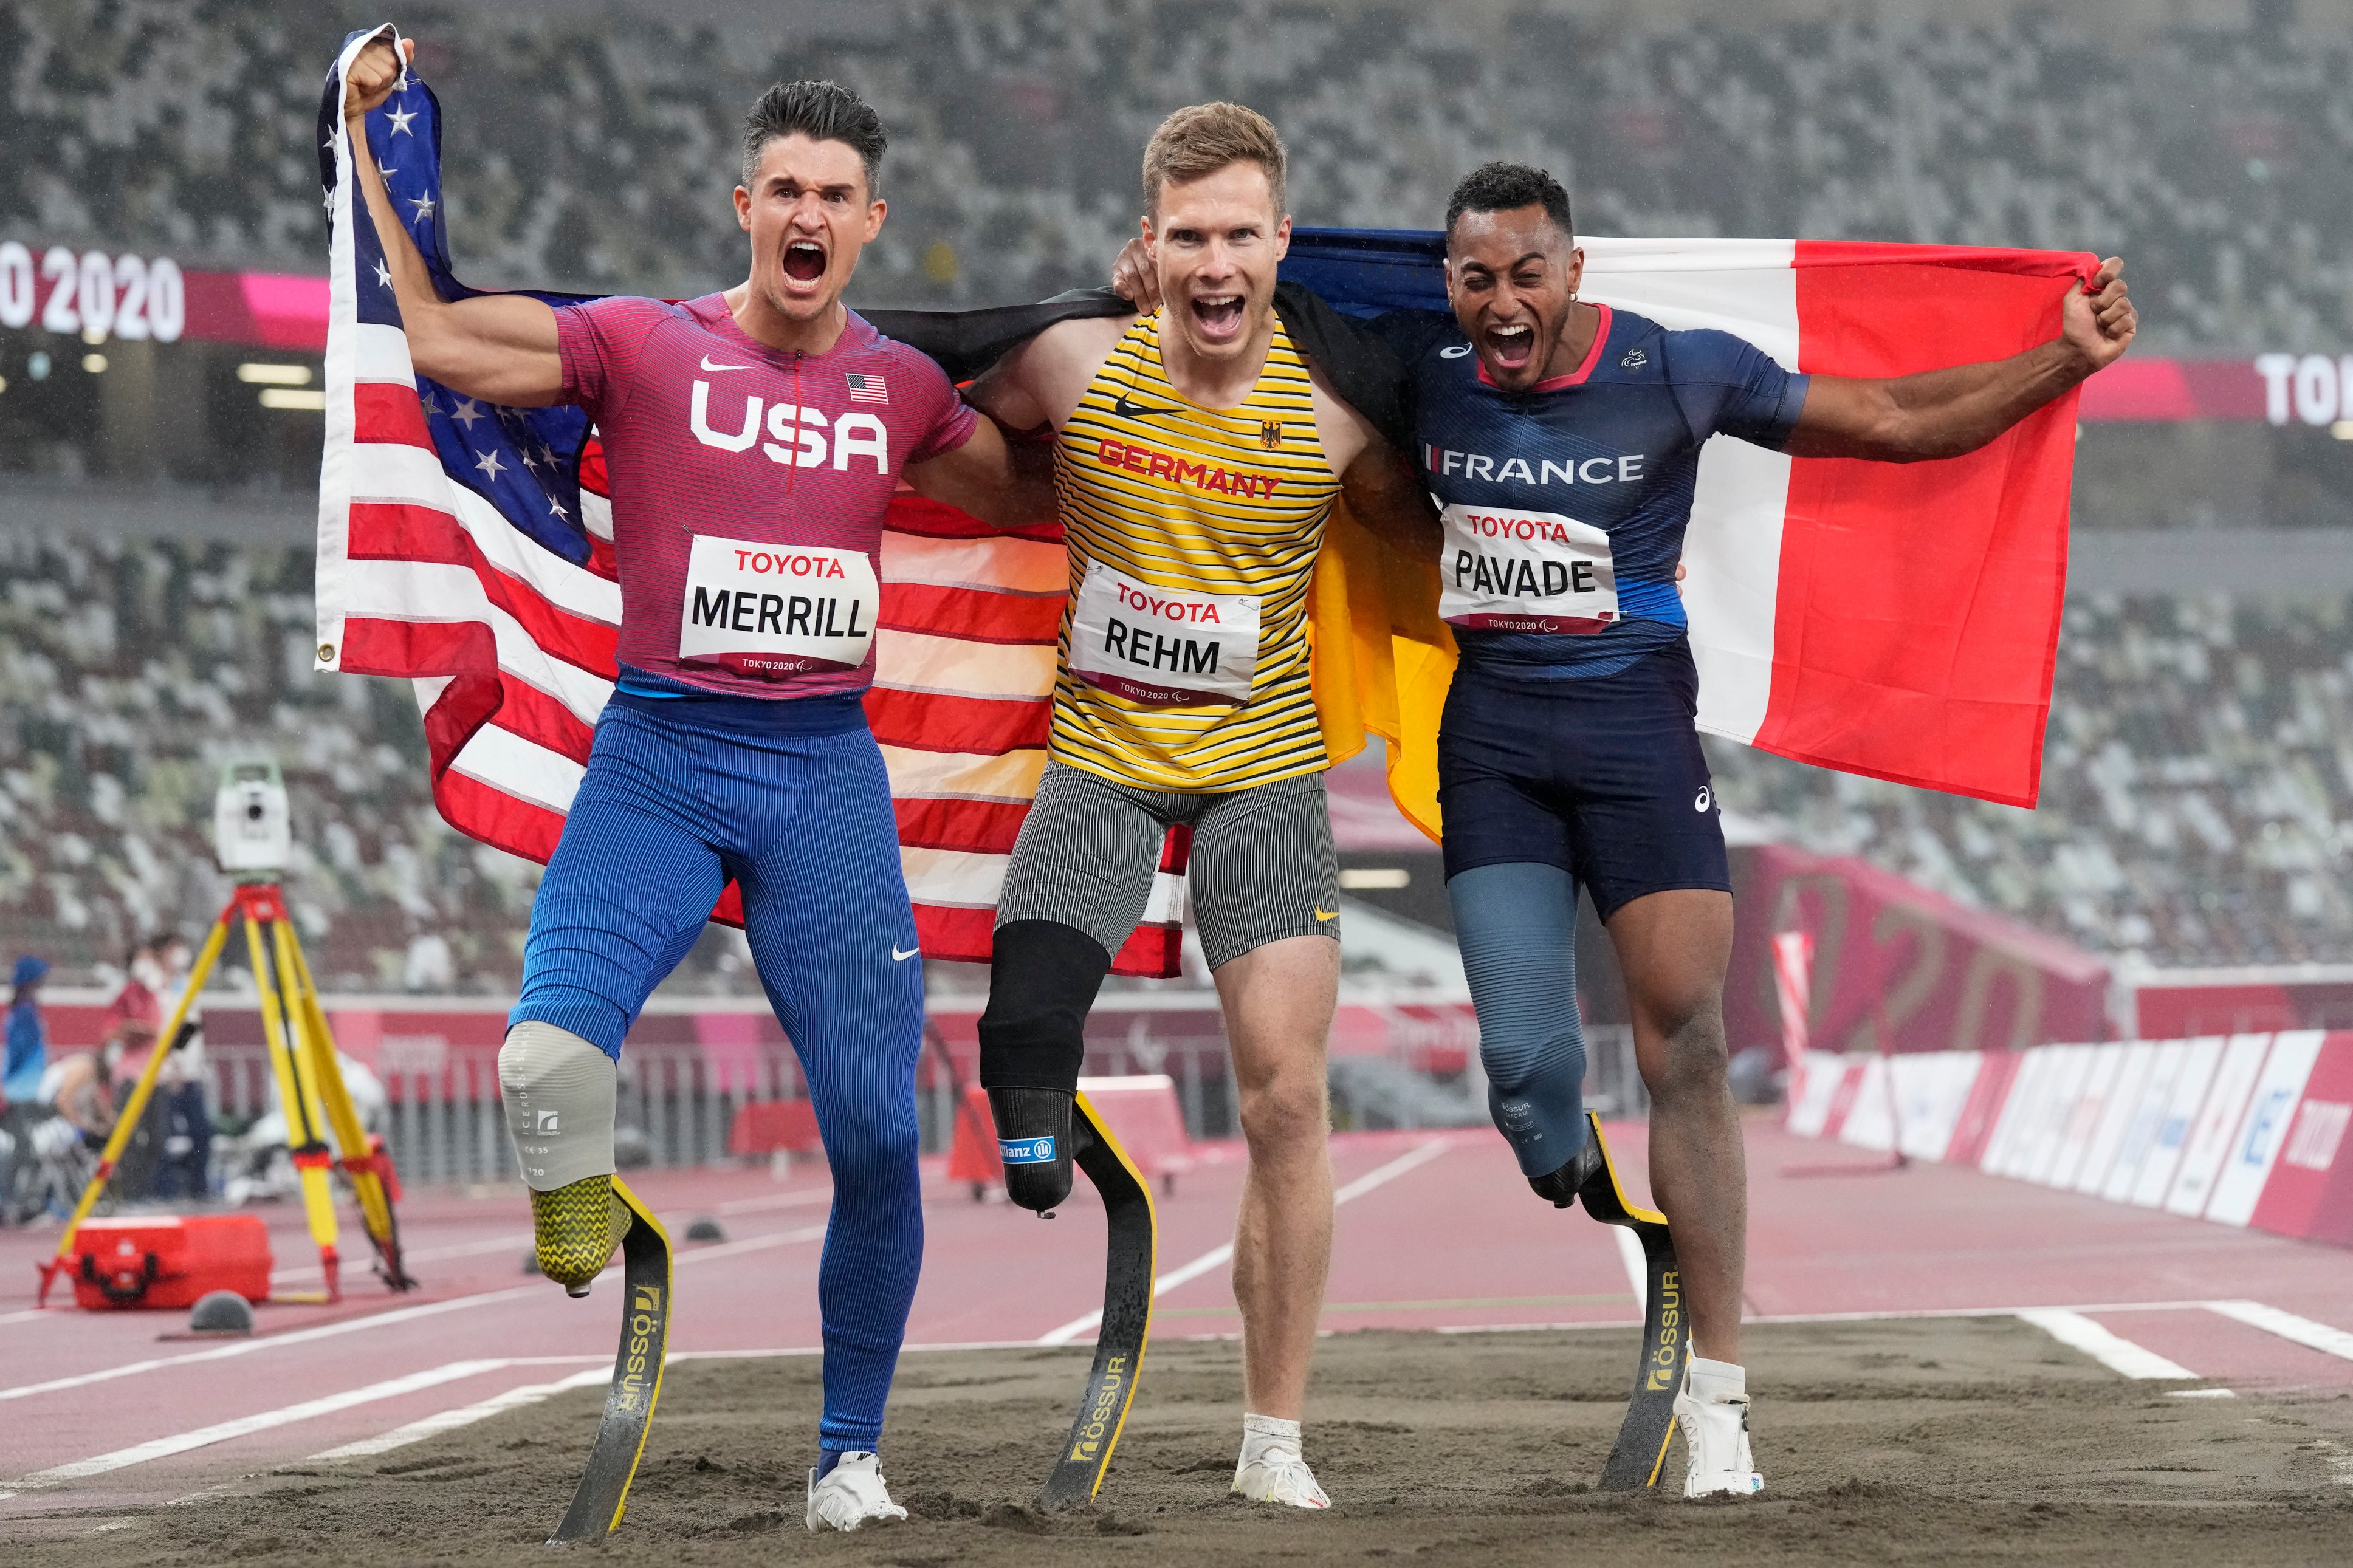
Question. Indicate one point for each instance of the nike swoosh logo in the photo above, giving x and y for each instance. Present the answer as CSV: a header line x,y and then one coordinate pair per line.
x,y
1327,915
898,957
708,365
1126,410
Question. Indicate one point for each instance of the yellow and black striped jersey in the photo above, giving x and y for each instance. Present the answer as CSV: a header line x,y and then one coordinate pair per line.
x,y
1189,514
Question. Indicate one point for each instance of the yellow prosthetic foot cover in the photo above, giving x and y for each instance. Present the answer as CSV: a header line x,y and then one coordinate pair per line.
x,y
575,1229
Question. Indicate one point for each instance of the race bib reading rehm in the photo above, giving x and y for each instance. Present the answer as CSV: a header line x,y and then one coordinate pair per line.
x,y
1526,572
770,609
1167,647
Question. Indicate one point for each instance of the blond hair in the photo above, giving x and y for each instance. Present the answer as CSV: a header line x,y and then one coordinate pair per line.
x,y
1197,141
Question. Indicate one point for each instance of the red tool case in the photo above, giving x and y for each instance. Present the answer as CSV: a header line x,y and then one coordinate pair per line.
x,y
169,1260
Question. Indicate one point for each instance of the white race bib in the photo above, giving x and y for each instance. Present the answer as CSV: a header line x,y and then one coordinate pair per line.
x,y
1167,647
1508,571
776,609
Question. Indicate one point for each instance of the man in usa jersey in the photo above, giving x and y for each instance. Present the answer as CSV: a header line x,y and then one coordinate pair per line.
x,y
753,440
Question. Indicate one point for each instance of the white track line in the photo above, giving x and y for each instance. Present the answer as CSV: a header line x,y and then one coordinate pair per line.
x,y
776,1201
163,1448
2288,1326
1218,1256
1638,1268
2110,1350
382,1319
464,1415
300,1336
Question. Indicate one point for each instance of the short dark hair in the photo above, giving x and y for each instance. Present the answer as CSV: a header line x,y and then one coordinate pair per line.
x,y
822,111
1506,187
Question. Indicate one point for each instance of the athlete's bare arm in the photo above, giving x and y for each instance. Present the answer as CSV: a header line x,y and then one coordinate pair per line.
x,y
1041,381
1008,484
1944,413
497,347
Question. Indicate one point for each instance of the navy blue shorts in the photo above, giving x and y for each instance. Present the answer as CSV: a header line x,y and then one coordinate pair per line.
x,y
1602,776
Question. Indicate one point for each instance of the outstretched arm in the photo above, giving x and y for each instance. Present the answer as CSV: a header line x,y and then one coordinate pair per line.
x,y
498,347
1004,483
1944,413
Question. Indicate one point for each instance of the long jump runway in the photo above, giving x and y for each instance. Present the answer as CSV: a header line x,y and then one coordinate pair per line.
x,y
1962,1279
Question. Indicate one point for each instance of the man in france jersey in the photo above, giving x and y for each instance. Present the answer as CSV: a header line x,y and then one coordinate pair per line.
x,y
753,441
1561,440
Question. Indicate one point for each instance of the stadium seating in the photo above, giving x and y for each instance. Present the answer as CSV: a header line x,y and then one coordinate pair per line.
x,y
2197,794
598,153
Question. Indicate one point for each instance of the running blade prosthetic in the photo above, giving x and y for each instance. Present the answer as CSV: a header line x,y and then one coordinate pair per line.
x,y
574,1230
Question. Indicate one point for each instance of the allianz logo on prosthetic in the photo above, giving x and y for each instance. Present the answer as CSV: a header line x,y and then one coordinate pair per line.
x,y
1625,469
797,436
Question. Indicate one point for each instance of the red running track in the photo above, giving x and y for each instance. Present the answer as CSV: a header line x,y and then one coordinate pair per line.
x,y
1439,1232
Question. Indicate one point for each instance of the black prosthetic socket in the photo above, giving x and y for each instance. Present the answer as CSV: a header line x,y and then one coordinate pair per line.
x,y
1034,1134
1560,1187
1042,978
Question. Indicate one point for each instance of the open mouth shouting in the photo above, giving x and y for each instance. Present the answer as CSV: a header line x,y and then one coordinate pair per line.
x,y
1218,318
1511,348
805,261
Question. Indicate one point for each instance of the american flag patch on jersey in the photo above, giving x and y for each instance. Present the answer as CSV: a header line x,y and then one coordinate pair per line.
x,y
867,389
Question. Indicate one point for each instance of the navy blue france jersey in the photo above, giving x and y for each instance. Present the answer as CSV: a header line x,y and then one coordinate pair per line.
x,y
1565,507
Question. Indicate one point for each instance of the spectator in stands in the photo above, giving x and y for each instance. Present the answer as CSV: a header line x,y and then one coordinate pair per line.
x,y
184,1115
29,1036
20,1078
128,1029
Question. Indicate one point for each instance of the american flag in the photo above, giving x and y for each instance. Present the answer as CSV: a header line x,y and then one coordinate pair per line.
x,y
867,388
468,548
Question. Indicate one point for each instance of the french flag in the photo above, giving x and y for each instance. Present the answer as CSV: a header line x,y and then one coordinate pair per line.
x,y
1896,620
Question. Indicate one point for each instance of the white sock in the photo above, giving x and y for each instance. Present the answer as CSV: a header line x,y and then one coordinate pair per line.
x,y
1716,1381
1269,1437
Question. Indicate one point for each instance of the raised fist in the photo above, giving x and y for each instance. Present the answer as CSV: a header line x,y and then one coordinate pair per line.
x,y
374,74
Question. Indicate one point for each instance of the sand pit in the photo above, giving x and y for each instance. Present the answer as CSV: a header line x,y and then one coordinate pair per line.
x,y
1940,1441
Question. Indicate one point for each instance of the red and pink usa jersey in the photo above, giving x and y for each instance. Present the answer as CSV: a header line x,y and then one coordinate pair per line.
x,y
748,486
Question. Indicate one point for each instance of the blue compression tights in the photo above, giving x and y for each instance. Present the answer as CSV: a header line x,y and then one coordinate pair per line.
x,y
668,810
1517,925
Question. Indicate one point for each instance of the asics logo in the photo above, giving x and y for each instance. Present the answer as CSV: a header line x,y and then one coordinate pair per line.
x,y
708,365
1455,352
1706,798
1128,410
898,957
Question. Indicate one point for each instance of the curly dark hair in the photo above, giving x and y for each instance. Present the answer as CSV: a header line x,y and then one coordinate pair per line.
x,y
1504,187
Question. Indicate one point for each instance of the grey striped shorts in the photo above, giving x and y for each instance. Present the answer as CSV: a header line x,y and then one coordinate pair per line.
x,y
1263,868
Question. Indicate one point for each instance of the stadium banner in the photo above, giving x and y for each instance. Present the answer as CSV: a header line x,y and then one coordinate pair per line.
x,y
2249,1130
1898,964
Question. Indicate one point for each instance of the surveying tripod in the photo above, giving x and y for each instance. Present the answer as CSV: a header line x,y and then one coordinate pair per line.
x,y
310,1089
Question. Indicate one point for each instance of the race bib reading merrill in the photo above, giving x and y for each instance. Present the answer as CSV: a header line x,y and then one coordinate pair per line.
x,y
1526,572
769,609
1166,646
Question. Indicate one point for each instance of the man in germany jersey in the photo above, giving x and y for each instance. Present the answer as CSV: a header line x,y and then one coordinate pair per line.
x,y
1198,455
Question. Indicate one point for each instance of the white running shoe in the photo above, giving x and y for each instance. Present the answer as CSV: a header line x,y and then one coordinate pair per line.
x,y
1279,1475
851,1494
1712,1411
